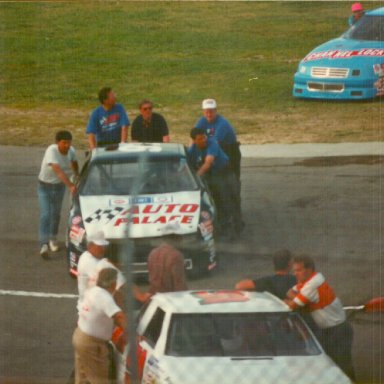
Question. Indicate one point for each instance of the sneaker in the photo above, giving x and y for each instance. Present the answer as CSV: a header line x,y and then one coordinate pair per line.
x,y
53,246
44,251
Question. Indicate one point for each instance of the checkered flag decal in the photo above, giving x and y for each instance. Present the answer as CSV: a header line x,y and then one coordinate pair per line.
x,y
108,214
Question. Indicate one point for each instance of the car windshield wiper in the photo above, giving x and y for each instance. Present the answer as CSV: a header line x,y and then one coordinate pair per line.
x,y
252,358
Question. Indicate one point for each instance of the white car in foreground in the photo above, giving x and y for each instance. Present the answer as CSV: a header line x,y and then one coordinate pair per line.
x,y
228,337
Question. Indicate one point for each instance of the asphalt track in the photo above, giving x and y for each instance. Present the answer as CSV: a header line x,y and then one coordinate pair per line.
x,y
330,208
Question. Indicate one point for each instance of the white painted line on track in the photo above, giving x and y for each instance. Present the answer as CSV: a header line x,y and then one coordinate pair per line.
x,y
38,294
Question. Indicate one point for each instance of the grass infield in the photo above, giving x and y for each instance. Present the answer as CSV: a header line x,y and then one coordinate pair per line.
x,y
56,55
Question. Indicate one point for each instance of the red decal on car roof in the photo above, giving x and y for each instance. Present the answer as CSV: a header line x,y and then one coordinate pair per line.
x,y
216,297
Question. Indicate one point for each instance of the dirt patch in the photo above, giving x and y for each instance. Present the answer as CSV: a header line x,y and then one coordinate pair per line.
x,y
340,161
320,124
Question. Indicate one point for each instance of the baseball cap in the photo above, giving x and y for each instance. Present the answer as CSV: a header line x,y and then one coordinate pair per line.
x,y
356,7
209,104
98,238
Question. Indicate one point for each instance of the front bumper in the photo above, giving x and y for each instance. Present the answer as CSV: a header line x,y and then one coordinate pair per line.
x,y
335,89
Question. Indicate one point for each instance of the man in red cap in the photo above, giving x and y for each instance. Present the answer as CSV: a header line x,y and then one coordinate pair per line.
x,y
357,13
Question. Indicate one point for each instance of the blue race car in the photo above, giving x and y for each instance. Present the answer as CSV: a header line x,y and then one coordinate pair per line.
x,y
347,68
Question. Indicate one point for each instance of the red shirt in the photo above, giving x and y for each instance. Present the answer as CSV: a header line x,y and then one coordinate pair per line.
x,y
166,270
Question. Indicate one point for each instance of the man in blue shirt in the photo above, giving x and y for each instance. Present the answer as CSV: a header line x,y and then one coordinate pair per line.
x,y
109,122
218,127
212,164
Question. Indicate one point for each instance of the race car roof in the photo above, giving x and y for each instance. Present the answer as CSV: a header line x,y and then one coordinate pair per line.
x,y
127,150
220,301
376,12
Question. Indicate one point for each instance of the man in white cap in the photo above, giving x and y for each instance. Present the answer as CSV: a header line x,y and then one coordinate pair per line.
x,y
218,128
92,261
87,266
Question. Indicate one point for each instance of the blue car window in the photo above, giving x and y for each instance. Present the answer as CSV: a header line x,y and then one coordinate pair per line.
x,y
369,28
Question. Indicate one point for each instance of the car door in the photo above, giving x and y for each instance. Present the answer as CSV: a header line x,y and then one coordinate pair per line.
x,y
146,344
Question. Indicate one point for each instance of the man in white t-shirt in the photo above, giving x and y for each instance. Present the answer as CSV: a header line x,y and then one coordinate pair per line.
x,y
87,267
58,165
91,262
98,316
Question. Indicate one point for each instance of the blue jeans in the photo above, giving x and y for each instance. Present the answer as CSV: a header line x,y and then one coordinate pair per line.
x,y
50,202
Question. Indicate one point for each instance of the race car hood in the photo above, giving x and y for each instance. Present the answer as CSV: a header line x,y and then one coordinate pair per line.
x,y
339,52
141,216
264,370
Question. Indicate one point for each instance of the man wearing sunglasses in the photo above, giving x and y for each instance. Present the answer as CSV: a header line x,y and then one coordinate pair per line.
x,y
149,126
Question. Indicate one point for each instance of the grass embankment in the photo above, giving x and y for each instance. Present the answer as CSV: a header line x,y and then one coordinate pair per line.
x,y
55,57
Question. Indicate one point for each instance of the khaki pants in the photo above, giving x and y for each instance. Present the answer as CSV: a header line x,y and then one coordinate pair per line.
x,y
91,359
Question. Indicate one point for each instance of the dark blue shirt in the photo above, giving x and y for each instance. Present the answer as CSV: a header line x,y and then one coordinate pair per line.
x,y
106,125
220,129
197,156
278,285
152,132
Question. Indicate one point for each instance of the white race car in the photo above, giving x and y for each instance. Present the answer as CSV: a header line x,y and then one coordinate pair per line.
x,y
143,192
228,337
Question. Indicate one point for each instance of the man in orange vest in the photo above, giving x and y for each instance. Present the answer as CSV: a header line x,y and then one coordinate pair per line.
x,y
315,294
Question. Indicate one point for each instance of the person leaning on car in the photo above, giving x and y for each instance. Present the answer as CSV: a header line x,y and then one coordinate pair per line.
x,y
149,126
314,293
58,165
212,164
279,283
357,13
98,315
108,123
219,128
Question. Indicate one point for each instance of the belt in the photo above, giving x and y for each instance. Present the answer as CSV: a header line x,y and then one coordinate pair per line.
x,y
49,184
92,338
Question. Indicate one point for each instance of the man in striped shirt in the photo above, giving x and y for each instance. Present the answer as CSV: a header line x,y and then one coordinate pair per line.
x,y
313,293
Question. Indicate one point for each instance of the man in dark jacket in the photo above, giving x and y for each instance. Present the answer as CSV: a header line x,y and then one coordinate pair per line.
x,y
149,126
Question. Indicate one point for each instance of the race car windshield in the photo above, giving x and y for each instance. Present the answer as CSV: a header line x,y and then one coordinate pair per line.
x,y
153,176
369,28
240,334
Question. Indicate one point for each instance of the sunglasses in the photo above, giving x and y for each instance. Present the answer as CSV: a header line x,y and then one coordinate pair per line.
x,y
146,108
